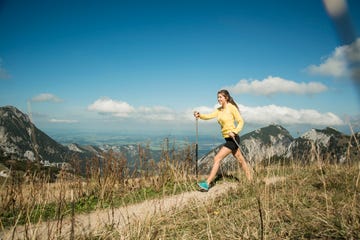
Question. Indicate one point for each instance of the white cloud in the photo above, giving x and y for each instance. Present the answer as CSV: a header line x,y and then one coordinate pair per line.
x,y
107,105
123,109
46,97
257,115
53,120
156,113
263,115
289,116
335,65
343,62
273,85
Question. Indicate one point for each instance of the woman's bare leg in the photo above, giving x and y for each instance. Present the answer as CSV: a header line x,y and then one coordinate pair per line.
x,y
243,164
224,151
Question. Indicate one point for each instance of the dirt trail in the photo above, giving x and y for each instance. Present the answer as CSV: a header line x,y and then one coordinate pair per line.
x,y
119,218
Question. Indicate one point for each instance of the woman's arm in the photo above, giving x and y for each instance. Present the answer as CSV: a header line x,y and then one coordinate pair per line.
x,y
209,116
238,119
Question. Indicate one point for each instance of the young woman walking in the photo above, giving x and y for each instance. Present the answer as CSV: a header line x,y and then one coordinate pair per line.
x,y
231,122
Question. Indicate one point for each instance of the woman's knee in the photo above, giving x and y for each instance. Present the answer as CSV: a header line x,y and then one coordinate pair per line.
x,y
217,159
222,154
237,154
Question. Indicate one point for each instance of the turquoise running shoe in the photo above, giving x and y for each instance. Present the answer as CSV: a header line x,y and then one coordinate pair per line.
x,y
204,186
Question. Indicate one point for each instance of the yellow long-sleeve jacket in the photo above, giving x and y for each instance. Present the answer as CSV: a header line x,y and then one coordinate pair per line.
x,y
226,117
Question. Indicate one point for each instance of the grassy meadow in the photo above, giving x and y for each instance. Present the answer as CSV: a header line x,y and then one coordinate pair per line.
x,y
291,200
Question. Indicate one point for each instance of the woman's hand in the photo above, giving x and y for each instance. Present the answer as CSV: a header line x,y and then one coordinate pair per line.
x,y
232,134
196,114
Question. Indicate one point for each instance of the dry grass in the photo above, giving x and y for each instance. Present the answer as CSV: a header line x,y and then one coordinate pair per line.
x,y
309,204
108,184
293,201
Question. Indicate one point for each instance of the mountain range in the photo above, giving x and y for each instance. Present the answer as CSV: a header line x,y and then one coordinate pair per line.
x,y
274,144
21,140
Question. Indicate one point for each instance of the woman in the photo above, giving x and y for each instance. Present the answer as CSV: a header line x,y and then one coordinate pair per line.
x,y
227,114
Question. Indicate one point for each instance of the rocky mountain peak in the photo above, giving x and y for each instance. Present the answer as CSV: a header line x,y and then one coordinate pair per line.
x,y
269,134
20,139
11,112
321,137
267,141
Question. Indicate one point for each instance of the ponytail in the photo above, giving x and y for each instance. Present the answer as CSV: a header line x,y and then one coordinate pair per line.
x,y
231,100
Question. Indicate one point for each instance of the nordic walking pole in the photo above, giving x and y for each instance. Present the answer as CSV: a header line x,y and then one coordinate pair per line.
x,y
197,147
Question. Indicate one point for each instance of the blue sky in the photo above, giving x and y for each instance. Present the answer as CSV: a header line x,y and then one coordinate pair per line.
x,y
144,66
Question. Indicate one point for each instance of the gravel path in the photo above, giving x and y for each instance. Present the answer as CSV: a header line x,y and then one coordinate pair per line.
x,y
118,218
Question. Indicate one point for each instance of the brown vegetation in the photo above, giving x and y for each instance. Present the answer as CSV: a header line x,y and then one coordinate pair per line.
x,y
285,201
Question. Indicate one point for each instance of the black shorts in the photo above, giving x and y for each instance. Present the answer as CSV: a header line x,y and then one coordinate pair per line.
x,y
230,143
